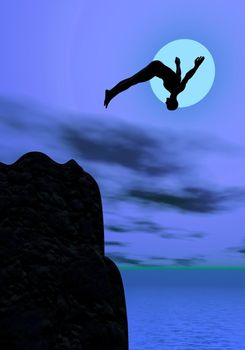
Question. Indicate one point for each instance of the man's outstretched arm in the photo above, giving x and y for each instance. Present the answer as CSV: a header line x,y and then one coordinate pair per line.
x,y
178,70
198,61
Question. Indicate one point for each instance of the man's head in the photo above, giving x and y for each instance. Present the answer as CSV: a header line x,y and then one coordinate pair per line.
x,y
172,103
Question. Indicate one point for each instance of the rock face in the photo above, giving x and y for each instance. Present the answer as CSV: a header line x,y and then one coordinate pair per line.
x,y
57,289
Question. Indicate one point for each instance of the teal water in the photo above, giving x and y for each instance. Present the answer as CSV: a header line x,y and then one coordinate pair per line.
x,y
185,313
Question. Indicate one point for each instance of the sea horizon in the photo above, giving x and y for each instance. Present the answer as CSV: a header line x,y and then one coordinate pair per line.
x,y
219,276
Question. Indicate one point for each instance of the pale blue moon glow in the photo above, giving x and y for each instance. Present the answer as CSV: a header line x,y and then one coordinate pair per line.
x,y
200,84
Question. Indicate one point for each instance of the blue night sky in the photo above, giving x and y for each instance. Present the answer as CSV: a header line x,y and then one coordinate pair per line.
x,y
172,183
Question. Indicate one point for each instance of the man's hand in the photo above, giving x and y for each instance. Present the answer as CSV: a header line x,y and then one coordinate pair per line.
x,y
177,60
198,61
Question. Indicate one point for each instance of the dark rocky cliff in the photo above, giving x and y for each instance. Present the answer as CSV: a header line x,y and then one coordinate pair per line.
x,y
57,289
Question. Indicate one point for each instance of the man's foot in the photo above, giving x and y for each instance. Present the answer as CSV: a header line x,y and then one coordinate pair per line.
x,y
108,98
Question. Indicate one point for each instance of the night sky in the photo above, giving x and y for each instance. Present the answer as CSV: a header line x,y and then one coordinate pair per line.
x,y
172,183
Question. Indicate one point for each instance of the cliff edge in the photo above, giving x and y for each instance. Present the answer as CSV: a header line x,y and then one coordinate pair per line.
x,y
58,291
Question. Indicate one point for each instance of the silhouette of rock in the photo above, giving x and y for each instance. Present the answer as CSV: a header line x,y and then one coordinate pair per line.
x,y
57,289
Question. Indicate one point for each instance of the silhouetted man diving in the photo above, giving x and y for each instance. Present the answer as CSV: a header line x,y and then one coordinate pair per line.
x,y
171,80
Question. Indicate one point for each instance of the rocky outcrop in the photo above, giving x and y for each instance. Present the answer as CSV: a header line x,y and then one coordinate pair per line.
x,y
57,289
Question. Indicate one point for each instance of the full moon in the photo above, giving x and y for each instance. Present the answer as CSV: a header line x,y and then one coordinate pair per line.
x,y
200,84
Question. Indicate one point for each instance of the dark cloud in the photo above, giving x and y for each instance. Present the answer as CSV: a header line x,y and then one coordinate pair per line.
x,y
122,144
203,143
188,261
115,244
118,229
146,226
131,226
174,236
170,236
158,258
239,250
198,235
13,114
165,232
122,259
190,199
182,234
26,116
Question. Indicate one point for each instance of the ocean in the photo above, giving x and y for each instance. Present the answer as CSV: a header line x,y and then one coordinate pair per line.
x,y
185,309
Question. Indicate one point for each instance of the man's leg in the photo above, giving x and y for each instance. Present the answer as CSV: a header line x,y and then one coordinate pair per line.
x,y
143,75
